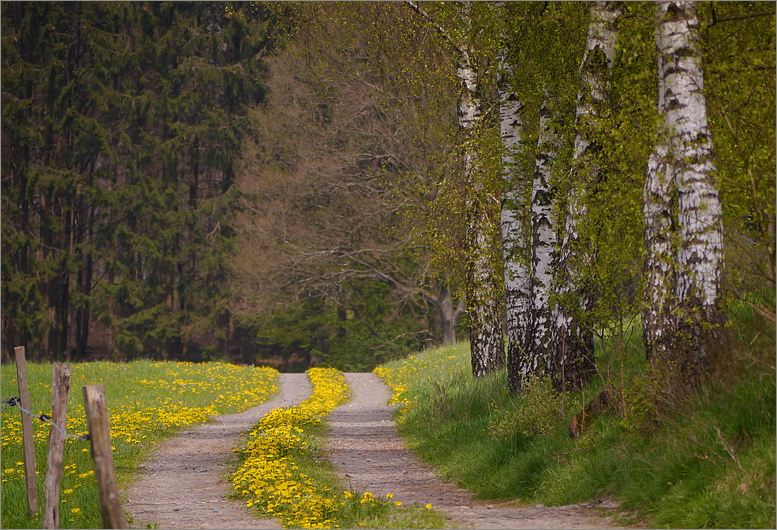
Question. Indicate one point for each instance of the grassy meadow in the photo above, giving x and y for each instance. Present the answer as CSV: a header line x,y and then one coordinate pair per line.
x,y
282,471
147,401
707,463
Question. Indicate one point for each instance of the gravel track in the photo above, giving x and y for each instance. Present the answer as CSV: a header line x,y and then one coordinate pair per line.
x,y
185,482
370,456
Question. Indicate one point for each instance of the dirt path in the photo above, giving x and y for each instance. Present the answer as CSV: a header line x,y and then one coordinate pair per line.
x,y
184,484
370,455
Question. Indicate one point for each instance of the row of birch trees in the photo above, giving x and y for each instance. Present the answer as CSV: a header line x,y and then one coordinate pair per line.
x,y
556,168
615,184
551,268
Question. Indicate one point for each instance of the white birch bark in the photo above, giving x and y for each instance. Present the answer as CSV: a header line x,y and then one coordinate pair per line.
x,y
658,197
574,362
514,233
483,302
699,213
544,246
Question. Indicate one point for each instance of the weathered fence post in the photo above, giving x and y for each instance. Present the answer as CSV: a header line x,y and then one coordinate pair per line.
x,y
27,434
60,386
97,420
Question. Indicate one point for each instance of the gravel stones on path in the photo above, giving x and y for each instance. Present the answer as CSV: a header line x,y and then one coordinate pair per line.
x,y
184,484
370,456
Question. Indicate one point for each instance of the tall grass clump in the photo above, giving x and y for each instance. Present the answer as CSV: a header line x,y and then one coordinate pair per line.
x,y
284,474
704,461
147,401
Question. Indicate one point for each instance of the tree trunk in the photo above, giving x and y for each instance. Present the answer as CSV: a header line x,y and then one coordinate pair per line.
x,y
658,199
544,242
700,314
517,273
574,364
483,300
449,316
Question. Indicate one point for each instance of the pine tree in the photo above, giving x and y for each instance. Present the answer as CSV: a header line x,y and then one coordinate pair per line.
x,y
129,116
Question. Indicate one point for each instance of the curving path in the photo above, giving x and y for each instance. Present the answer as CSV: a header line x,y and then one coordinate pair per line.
x,y
184,484
370,456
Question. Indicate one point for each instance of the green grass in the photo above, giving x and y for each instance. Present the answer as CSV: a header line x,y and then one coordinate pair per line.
x,y
147,402
707,463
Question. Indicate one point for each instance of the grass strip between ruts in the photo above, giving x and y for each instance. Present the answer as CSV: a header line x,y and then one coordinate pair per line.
x,y
281,454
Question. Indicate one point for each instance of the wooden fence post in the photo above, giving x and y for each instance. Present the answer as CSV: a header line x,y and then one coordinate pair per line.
x,y
98,422
54,470
27,433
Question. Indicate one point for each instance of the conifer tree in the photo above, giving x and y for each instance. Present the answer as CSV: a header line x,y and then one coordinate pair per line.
x,y
120,122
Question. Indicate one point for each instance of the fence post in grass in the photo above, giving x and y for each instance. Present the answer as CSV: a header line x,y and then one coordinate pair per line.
x,y
27,434
98,423
60,386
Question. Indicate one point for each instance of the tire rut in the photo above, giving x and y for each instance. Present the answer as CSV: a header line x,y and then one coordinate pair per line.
x,y
184,484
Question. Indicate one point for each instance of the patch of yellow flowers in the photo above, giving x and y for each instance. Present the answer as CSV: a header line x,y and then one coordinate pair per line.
x,y
234,389
270,480
398,380
145,399
402,374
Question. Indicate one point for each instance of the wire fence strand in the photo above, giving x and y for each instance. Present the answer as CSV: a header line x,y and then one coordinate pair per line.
x,y
16,402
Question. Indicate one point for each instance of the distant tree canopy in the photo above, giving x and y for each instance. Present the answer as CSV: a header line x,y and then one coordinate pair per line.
x,y
322,235
121,123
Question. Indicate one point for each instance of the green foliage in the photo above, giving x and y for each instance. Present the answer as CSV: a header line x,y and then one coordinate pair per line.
x,y
121,123
353,338
738,43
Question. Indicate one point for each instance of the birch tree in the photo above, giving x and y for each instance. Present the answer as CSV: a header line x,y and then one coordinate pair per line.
x,y
482,284
574,363
483,300
514,239
683,166
658,198
543,244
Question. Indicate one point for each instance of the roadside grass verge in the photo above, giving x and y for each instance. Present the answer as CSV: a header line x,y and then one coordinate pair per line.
x,y
708,463
147,401
284,473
